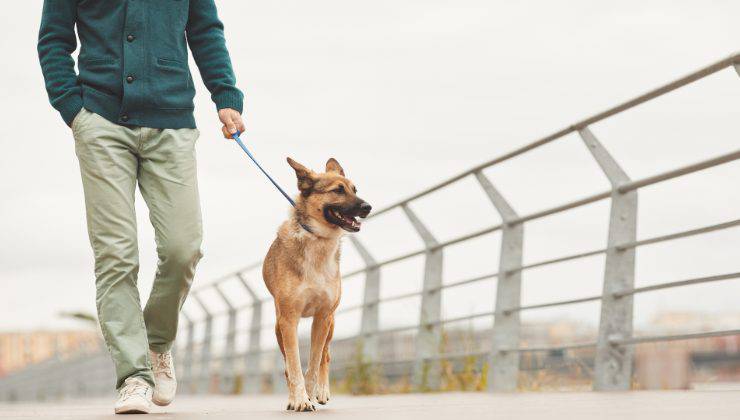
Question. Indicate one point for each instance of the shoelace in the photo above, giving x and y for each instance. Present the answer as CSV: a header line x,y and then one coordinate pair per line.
x,y
163,364
134,388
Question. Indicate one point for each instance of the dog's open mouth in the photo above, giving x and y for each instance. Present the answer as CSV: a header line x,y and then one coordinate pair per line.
x,y
345,219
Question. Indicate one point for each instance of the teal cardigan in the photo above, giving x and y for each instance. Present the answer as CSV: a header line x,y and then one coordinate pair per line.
x,y
133,61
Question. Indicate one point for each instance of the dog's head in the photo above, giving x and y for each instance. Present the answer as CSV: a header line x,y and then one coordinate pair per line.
x,y
329,198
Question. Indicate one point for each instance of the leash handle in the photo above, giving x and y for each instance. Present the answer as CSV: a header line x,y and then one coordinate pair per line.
x,y
238,140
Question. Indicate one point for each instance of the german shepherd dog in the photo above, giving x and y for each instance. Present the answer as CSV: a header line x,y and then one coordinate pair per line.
x,y
301,271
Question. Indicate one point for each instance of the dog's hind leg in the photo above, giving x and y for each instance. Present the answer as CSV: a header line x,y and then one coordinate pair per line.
x,y
298,399
322,388
319,331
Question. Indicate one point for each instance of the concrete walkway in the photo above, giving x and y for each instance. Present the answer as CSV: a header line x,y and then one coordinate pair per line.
x,y
672,405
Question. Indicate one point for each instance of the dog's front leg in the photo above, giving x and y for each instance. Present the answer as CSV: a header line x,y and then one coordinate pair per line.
x,y
319,332
298,399
322,388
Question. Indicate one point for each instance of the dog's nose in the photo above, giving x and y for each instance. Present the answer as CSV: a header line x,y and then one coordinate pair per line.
x,y
365,208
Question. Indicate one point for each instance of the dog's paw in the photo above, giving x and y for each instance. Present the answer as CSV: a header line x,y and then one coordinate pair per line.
x,y
300,403
322,393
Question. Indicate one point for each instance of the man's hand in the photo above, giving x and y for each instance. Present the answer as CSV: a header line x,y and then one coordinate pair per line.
x,y
231,120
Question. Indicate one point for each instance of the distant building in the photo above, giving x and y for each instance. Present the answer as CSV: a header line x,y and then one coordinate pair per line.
x,y
683,364
19,349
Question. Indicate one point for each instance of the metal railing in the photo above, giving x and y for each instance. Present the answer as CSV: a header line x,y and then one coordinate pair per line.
x,y
202,369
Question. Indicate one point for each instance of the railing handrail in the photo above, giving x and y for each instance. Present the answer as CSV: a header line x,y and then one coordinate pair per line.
x,y
654,93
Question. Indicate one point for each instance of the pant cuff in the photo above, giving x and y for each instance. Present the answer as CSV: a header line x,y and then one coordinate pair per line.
x,y
160,348
147,376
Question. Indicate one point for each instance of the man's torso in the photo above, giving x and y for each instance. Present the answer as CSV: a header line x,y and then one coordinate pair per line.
x,y
133,61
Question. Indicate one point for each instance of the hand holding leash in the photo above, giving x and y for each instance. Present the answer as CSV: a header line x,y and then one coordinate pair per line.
x,y
231,120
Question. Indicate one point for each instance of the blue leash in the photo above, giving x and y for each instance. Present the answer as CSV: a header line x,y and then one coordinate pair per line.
x,y
235,136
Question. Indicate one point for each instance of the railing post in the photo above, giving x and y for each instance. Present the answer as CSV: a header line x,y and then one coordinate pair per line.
x,y
503,374
369,338
252,371
189,353
428,339
205,351
227,381
613,365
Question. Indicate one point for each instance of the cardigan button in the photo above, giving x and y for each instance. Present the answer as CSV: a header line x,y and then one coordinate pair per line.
x,y
129,79
130,38
124,117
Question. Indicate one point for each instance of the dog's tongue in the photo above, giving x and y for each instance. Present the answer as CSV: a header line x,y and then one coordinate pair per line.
x,y
349,220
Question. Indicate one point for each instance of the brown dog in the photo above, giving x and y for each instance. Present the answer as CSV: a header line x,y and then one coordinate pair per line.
x,y
301,270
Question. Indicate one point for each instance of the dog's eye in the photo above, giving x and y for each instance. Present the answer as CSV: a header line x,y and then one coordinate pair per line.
x,y
339,189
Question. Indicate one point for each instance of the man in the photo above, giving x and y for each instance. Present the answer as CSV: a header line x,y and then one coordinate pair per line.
x,y
131,113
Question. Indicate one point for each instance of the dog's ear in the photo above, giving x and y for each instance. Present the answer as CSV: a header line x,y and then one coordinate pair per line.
x,y
333,166
305,176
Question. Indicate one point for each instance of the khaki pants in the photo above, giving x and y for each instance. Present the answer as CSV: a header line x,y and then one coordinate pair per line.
x,y
113,159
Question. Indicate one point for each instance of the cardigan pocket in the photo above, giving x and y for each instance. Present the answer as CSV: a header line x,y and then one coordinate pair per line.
x,y
174,86
102,74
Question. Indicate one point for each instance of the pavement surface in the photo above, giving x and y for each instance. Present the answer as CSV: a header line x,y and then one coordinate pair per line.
x,y
653,405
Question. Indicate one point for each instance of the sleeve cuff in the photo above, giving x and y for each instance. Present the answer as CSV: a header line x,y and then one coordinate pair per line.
x,y
233,99
69,108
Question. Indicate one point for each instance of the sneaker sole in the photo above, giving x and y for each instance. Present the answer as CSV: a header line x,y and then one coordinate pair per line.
x,y
132,411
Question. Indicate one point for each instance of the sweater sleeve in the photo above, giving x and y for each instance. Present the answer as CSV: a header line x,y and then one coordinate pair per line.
x,y
205,34
56,43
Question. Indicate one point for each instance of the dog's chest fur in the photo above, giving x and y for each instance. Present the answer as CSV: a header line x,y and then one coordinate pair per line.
x,y
320,280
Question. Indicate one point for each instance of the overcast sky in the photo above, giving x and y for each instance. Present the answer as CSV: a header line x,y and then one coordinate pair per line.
x,y
405,94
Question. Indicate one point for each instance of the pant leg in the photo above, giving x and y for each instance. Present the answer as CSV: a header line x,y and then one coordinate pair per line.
x,y
168,182
108,163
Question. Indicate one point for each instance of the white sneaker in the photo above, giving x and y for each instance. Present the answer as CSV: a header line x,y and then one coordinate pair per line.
x,y
165,382
134,397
